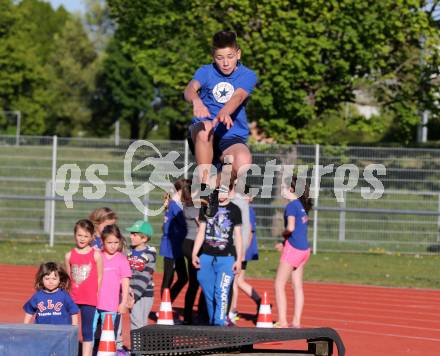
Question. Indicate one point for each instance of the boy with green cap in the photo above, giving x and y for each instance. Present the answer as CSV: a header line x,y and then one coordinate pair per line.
x,y
142,259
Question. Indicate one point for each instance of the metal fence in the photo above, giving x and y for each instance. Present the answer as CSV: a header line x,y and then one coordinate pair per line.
x,y
346,216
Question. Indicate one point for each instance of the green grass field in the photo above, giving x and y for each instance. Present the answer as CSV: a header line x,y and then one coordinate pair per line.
x,y
25,171
392,270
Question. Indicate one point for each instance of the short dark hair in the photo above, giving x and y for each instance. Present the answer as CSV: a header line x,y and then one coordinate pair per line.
x,y
224,39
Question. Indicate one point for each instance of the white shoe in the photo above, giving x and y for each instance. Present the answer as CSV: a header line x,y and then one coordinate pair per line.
x,y
233,317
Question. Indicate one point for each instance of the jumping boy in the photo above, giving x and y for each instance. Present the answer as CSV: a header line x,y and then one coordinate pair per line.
x,y
219,93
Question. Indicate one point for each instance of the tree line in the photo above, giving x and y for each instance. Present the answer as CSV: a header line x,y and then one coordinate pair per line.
x,y
318,62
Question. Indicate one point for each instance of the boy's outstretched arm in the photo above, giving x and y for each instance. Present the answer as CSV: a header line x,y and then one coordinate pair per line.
x,y
198,244
191,95
224,115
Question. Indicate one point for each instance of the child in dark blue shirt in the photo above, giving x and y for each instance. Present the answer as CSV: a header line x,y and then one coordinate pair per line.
x,y
295,253
51,304
174,232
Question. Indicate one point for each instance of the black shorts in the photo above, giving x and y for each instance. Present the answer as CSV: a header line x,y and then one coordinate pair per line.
x,y
244,265
220,145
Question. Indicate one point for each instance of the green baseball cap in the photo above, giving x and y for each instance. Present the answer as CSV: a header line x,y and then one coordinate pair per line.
x,y
143,227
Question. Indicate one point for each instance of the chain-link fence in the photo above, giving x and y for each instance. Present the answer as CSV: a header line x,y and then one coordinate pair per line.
x,y
366,198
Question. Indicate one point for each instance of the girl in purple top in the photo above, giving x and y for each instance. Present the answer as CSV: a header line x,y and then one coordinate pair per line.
x,y
295,252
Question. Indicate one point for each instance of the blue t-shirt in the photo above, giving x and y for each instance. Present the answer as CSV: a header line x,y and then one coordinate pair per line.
x,y
217,89
252,250
97,243
51,308
174,231
298,237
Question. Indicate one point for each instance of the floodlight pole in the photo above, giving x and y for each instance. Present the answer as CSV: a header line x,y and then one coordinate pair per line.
x,y
117,134
422,129
17,131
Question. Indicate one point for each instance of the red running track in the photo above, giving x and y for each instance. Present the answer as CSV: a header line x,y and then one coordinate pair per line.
x,y
371,320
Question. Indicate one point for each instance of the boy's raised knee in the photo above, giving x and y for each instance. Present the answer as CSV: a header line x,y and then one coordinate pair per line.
x,y
204,132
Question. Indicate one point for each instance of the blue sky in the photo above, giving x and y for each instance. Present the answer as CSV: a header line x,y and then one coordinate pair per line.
x,y
78,5
70,5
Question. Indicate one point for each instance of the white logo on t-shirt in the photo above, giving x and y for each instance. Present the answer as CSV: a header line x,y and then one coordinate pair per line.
x,y
223,92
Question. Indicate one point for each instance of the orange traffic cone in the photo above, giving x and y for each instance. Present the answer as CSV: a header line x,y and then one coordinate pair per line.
x,y
165,311
107,343
265,314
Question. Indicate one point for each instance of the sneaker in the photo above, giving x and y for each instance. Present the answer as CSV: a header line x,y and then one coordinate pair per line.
x,y
229,322
123,352
211,209
233,316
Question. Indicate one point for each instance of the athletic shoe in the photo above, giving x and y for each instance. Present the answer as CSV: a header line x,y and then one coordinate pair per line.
x,y
233,316
123,352
229,322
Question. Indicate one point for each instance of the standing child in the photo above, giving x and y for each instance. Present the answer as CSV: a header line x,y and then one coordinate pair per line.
x,y
251,255
115,278
142,259
191,214
219,93
295,253
101,217
174,232
219,259
51,304
84,266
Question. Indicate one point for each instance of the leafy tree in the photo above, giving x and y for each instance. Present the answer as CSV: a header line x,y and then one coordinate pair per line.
x,y
98,23
23,79
125,93
45,65
168,54
45,23
310,56
72,66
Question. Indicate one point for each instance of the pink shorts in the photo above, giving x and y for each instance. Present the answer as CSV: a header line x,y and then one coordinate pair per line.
x,y
294,257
